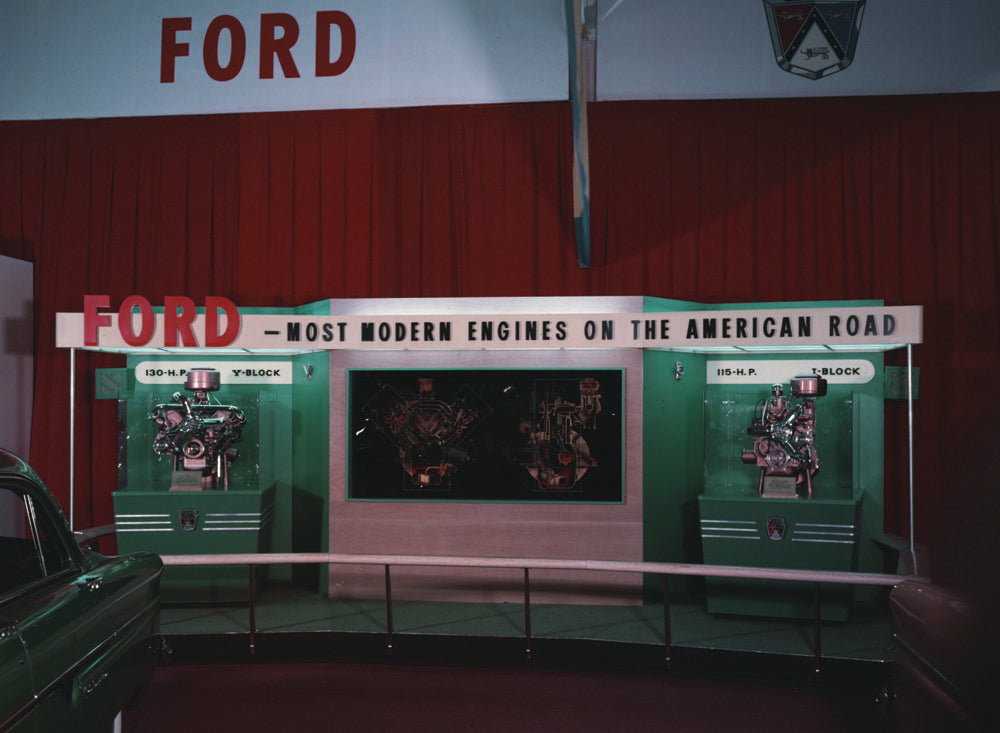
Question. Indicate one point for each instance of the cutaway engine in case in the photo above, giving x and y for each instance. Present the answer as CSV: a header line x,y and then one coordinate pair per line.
x,y
198,434
557,455
427,430
784,438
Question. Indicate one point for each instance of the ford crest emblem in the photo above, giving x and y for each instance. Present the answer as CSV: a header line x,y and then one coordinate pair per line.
x,y
814,39
776,527
188,519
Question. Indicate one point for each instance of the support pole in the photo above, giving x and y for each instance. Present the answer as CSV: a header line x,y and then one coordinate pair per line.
x,y
72,437
909,400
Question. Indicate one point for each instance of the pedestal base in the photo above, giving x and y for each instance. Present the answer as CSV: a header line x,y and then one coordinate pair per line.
x,y
196,523
798,534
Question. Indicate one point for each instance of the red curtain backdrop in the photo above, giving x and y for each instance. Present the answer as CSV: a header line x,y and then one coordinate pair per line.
x,y
710,201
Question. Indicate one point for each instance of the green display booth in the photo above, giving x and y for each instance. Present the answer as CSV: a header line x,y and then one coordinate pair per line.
x,y
761,444
783,452
767,514
195,482
221,451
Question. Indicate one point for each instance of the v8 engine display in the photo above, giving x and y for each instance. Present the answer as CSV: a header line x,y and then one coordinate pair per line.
x,y
198,434
426,429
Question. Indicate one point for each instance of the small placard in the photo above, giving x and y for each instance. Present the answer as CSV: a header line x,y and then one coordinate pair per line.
x,y
779,487
185,481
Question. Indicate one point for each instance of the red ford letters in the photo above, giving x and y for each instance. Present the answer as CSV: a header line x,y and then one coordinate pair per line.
x,y
278,33
178,317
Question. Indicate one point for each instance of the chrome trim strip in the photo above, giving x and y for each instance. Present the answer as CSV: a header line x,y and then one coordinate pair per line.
x,y
828,542
232,521
149,521
727,521
150,529
826,534
729,529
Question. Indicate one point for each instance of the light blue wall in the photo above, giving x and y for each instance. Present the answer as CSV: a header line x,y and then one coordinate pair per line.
x,y
66,59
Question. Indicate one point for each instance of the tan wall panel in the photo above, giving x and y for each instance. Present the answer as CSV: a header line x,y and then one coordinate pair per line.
x,y
534,530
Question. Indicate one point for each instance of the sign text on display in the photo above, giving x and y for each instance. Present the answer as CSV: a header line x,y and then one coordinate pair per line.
x,y
182,324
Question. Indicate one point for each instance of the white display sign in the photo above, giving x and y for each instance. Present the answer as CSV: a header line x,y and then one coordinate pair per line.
x,y
772,371
230,372
137,326
114,58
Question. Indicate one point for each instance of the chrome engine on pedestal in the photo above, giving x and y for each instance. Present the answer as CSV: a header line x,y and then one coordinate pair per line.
x,y
784,438
198,434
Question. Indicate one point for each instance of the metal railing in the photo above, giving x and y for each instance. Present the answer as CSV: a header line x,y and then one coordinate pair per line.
x,y
665,570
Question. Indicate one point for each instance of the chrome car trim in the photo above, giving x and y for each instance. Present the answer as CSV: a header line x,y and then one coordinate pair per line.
x,y
29,507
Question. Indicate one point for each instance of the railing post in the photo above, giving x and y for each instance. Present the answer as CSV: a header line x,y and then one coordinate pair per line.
x,y
388,611
817,635
527,615
253,614
666,621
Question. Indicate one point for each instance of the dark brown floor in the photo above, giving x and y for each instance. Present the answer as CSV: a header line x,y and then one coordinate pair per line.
x,y
337,696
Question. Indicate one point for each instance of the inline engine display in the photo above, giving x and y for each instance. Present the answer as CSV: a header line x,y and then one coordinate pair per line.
x,y
784,432
557,455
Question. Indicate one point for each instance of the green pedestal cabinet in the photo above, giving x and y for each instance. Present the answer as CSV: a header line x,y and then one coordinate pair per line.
x,y
197,523
797,534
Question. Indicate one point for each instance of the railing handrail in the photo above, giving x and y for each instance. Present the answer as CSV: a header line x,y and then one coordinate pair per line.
x,y
521,563
525,565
